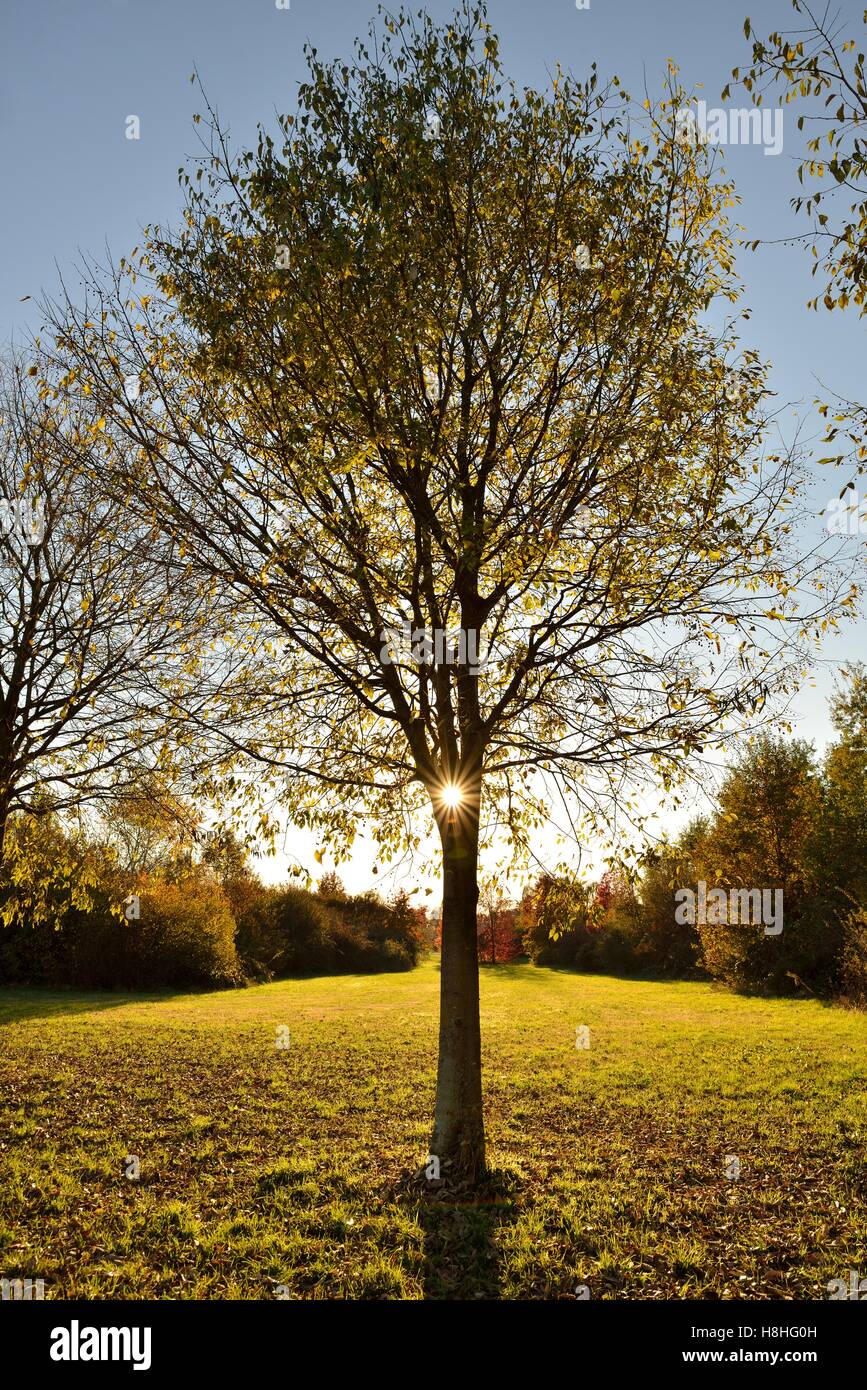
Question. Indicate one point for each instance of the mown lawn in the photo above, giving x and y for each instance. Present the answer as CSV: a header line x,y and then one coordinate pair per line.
x,y
270,1172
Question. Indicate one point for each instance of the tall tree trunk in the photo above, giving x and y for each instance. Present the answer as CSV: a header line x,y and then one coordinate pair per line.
x,y
459,1133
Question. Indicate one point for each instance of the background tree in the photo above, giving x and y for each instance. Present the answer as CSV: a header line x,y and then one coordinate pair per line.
x,y
331,886
87,618
497,927
438,354
228,859
843,851
614,925
429,927
822,69
554,919
148,827
768,806
667,945
613,890
764,835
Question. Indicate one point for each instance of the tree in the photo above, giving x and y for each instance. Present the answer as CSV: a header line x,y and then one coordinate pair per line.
x,y
768,805
147,826
497,927
427,923
555,918
87,618
227,858
613,890
843,848
670,946
842,845
817,67
429,398
763,839
331,886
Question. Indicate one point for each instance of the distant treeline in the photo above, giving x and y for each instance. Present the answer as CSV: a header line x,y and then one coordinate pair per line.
x,y
784,820
205,922
138,905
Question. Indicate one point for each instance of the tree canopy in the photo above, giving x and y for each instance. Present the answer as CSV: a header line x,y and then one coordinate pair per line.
x,y
821,68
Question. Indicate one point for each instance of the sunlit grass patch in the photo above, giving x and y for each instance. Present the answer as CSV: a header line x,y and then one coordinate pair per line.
x,y
268,1173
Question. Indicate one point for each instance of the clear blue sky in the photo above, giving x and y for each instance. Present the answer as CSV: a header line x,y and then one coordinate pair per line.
x,y
74,70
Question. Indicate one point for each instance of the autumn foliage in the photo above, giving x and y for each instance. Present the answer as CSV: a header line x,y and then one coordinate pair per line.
x,y
499,939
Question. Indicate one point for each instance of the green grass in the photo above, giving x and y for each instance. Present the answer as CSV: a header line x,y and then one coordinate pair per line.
x,y
263,1168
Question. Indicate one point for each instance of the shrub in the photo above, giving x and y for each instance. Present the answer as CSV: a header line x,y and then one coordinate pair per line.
x,y
185,935
805,953
31,955
853,972
302,931
256,940
292,932
613,950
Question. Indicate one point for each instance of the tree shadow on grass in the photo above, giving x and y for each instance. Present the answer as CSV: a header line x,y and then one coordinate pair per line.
x,y
461,1256
19,1003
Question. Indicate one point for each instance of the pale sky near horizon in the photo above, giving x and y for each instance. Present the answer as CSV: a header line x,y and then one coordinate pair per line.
x,y
72,73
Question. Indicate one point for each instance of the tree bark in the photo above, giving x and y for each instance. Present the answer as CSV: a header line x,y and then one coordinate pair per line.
x,y
459,1133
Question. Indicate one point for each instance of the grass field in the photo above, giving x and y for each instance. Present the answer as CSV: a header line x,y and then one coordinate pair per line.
x,y
272,1172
